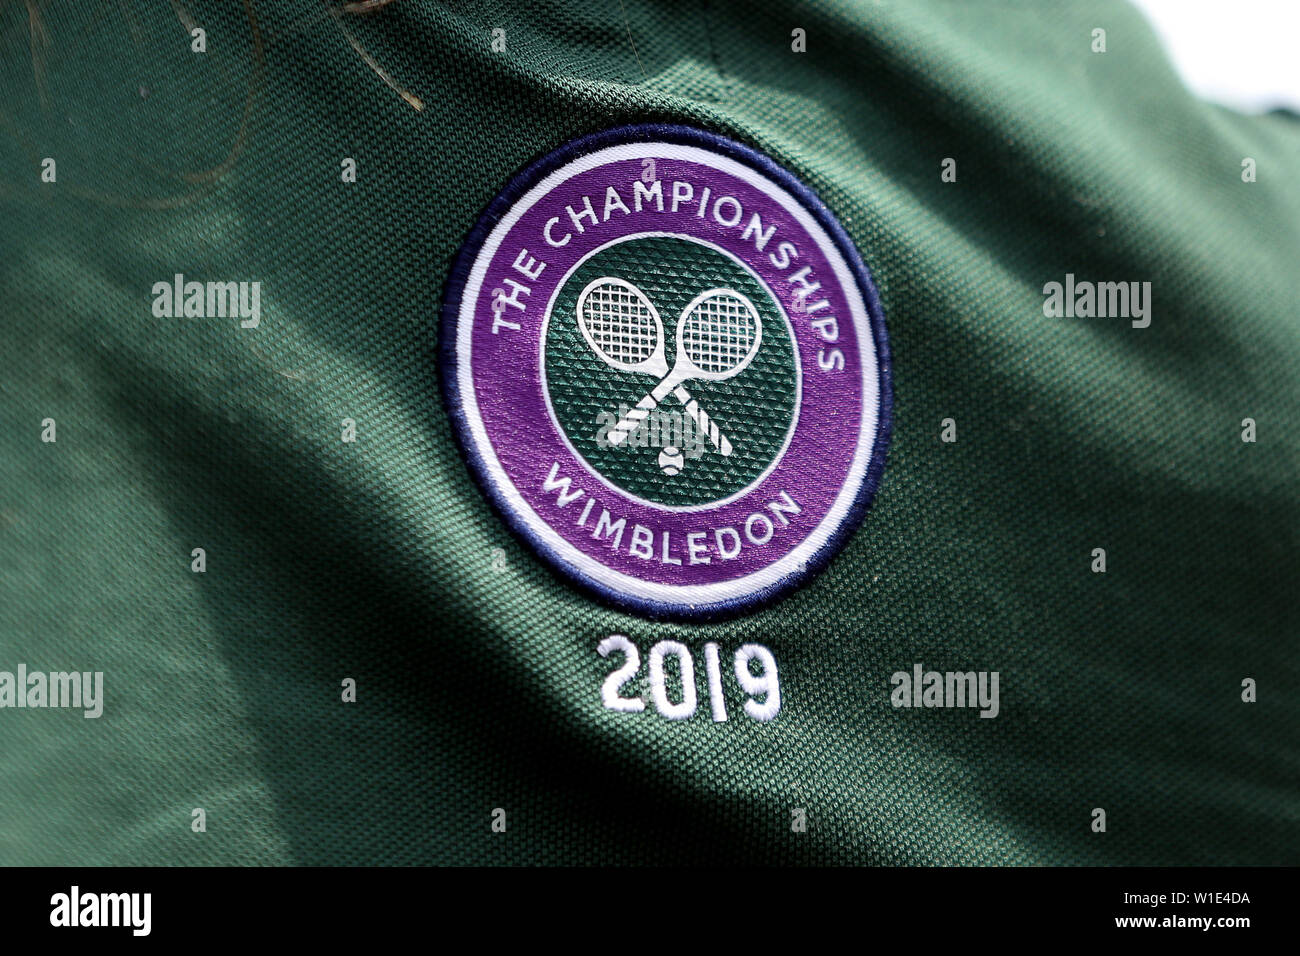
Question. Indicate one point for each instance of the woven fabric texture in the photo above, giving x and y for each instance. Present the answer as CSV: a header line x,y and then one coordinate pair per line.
x,y
478,683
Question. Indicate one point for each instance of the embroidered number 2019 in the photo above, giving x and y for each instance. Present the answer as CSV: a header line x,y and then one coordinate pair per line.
x,y
762,687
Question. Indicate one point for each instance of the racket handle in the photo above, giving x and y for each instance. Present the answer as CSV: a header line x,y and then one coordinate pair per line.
x,y
632,420
702,421
644,407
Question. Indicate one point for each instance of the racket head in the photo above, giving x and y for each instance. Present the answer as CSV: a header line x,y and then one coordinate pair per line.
x,y
718,335
622,326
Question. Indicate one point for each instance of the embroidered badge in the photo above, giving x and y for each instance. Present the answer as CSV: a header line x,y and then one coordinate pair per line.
x,y
667,367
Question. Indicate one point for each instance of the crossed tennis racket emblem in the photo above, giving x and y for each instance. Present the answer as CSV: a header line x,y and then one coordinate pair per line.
x,y
718,335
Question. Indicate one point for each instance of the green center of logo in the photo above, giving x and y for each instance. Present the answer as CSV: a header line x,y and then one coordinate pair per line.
x,y
671,370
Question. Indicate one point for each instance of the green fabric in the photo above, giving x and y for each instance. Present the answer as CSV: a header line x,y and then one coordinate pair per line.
x,y
478,680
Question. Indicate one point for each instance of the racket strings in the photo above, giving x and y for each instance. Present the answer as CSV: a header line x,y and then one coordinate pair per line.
x,y
719,333
620,324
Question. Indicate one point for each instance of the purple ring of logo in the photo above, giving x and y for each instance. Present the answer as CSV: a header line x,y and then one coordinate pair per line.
x,y
509,409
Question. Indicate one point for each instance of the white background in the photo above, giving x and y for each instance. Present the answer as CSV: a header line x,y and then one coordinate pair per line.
x,y
1244,54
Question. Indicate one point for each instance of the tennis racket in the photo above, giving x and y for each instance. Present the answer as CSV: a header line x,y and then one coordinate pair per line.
x,y
622,326
718,336
624,329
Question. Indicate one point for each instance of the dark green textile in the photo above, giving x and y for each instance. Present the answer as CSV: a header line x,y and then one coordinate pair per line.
x,y
379,560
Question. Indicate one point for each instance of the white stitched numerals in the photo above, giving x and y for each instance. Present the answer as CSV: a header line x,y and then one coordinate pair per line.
x,y
657,689
713,670
763,685
754,668
609,691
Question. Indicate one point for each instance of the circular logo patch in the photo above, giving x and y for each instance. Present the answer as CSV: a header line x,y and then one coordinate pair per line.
x,y
668,369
